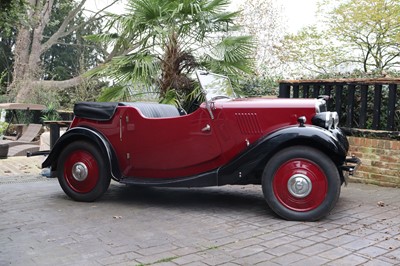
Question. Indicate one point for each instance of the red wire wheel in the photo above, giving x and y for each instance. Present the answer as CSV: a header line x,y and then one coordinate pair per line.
x,y
301,183
83,171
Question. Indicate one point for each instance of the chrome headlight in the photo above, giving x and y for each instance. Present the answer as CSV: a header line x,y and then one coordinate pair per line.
x,y
320,105
335,117
328,120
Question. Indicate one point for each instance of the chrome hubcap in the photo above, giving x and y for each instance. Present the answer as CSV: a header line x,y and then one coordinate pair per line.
x,y
299,185
79,171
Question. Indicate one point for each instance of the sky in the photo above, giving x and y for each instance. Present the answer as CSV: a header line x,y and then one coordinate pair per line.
x,y
297,13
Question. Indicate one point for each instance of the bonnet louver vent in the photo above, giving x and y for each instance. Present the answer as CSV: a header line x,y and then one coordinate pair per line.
x,y
248,123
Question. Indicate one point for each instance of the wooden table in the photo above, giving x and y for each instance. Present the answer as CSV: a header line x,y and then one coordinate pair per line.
x,y
55,130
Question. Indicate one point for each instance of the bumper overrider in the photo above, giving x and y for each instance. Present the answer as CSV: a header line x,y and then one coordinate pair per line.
x,y
349,167
351,163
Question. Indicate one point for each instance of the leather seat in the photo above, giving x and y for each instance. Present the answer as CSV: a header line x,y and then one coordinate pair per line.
x,y
155,110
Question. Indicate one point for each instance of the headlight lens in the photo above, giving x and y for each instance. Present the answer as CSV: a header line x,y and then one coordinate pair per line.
x,y
328,120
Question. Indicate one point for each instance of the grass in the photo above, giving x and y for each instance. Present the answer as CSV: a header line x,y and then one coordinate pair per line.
x,y
159,261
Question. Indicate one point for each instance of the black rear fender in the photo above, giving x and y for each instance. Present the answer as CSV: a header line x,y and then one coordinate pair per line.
x,y
86,134
255,157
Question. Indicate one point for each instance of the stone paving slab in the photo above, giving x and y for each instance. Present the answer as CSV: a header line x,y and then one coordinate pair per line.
x,y
230,225
20,168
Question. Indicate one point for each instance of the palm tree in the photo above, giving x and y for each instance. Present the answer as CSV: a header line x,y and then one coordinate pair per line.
x,y
168,40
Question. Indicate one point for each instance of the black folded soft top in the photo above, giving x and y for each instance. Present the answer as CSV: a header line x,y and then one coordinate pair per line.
x,y
103,111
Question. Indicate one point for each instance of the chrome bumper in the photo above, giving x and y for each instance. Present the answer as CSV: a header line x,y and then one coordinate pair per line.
x,y
350,166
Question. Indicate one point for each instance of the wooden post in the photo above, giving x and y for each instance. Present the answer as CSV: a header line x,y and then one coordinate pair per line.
x,y
284,90
316,89
296,89
391,106
350,105
363,109
338,98
306,90
377,106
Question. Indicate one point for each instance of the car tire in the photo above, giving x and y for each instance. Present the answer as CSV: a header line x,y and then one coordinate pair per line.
x,y
82,171
301,183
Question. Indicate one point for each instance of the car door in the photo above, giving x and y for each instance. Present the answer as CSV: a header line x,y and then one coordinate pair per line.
x,y
170,147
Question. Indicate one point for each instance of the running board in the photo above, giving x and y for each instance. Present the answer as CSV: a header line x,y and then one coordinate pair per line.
x,y
204,180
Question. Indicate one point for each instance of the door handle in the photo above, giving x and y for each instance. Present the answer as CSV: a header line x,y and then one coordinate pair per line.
x,y
206,128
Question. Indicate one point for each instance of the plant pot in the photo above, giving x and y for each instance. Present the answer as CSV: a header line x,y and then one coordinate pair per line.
x,y
3,151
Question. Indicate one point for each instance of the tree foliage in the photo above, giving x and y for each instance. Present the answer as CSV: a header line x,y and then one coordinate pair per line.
x,y
263,20
371,28
357,35
7,40
12,12
311,50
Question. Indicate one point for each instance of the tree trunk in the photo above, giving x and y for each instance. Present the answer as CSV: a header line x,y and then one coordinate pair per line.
x,y
30,46
21,56
41,17
27,48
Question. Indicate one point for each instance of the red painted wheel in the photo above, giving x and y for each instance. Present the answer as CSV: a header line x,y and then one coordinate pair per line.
x,y
301,183
82,171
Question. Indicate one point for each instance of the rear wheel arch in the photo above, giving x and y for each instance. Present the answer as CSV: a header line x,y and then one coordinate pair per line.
x,y
89,136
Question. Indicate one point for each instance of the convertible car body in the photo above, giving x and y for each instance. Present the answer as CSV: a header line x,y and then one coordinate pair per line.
x,y
292,147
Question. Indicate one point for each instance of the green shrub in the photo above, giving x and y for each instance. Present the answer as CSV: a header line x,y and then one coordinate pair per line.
x,y
3,127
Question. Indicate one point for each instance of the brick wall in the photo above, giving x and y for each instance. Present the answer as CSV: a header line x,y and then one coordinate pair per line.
x,y
380,161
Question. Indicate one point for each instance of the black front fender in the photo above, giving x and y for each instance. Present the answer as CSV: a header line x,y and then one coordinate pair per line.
x,y
82,133
334,144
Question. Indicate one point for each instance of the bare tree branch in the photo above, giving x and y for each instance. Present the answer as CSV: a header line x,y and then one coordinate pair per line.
x,y
42,16
62,31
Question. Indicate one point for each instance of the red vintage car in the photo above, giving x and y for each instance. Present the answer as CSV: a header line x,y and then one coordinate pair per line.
x,y
292,147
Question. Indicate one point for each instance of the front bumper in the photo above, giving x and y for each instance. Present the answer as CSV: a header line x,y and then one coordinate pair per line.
x,y
350,166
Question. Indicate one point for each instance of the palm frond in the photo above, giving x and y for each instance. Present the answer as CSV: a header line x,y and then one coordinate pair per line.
x,y
216,6
232,56
137,67
105,38
115,93
172,97
161,36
